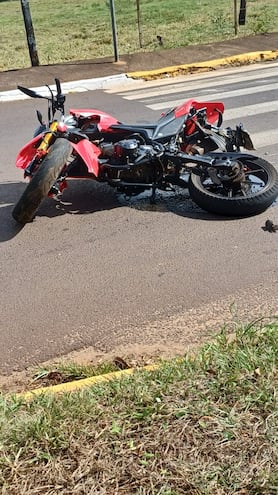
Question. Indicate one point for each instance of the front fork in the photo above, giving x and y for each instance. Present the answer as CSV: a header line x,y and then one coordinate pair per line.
x,y
42,150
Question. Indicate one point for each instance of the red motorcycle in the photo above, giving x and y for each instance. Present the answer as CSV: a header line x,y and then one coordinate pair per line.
x,y
186,147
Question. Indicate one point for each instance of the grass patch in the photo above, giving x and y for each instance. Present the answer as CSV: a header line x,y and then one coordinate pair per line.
x,y
76,30
66,372
202,425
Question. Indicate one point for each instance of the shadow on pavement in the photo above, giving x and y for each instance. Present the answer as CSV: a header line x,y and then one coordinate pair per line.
x,y
85,197
9,192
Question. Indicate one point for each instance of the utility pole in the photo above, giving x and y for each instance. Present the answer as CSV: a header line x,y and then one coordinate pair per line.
x,y
30,33
235,17
242,13
114,30
139,22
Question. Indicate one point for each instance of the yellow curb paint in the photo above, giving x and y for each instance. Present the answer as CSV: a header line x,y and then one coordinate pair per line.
x,y
80,384
244,58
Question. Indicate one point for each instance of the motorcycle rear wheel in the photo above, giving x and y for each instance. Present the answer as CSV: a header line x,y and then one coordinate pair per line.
x,y
261,179
41,183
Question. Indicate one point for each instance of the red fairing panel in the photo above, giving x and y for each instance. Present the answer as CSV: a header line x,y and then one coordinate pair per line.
x,y
104,120
27,153
212,113
89,154
87,151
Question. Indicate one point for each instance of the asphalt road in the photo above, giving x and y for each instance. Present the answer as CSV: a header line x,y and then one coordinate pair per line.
x,y
101,271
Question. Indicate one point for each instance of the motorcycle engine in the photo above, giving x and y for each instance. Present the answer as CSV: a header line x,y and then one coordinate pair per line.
x,y
123,166
123,152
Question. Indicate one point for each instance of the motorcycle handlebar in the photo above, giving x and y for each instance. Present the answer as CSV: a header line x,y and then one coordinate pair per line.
x,y
58,86
30,92
34,94
57,101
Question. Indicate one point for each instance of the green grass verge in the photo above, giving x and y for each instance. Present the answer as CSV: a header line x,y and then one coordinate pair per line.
x,y
74,30
67,372
202,425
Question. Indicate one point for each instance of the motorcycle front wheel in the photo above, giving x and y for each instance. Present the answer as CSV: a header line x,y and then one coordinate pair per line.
x,y
258,190
41,183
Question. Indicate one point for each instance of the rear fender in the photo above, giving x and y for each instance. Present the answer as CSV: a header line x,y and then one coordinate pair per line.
x,y
89,153
213,110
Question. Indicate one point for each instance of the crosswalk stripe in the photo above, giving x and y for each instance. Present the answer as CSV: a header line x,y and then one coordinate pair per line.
x,y
250,110
216,96
186,87
219,78
263,139
205,87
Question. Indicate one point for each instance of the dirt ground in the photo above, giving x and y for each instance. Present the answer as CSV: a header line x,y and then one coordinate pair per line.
x,y
131,356
192,328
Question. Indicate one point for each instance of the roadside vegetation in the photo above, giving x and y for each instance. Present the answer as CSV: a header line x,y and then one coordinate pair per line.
x,y
78,30
205,424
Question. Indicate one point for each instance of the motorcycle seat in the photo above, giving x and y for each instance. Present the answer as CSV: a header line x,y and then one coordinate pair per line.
x,y
132,127
167,126
145,130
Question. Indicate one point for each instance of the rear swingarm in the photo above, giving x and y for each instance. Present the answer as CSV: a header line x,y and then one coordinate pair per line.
x,y
219,161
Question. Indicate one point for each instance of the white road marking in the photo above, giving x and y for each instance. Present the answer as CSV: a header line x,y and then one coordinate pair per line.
x,y
216,96
186,86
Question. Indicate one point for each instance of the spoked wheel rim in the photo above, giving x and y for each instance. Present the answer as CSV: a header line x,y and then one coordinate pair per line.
x,y
249,192
252,181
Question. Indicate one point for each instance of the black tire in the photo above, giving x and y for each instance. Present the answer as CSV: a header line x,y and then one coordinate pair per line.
x,y
215,200
40,185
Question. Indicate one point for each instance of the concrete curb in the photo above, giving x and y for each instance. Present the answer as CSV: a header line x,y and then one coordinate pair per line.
x,y
103,82
68,87
235,60
81,384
